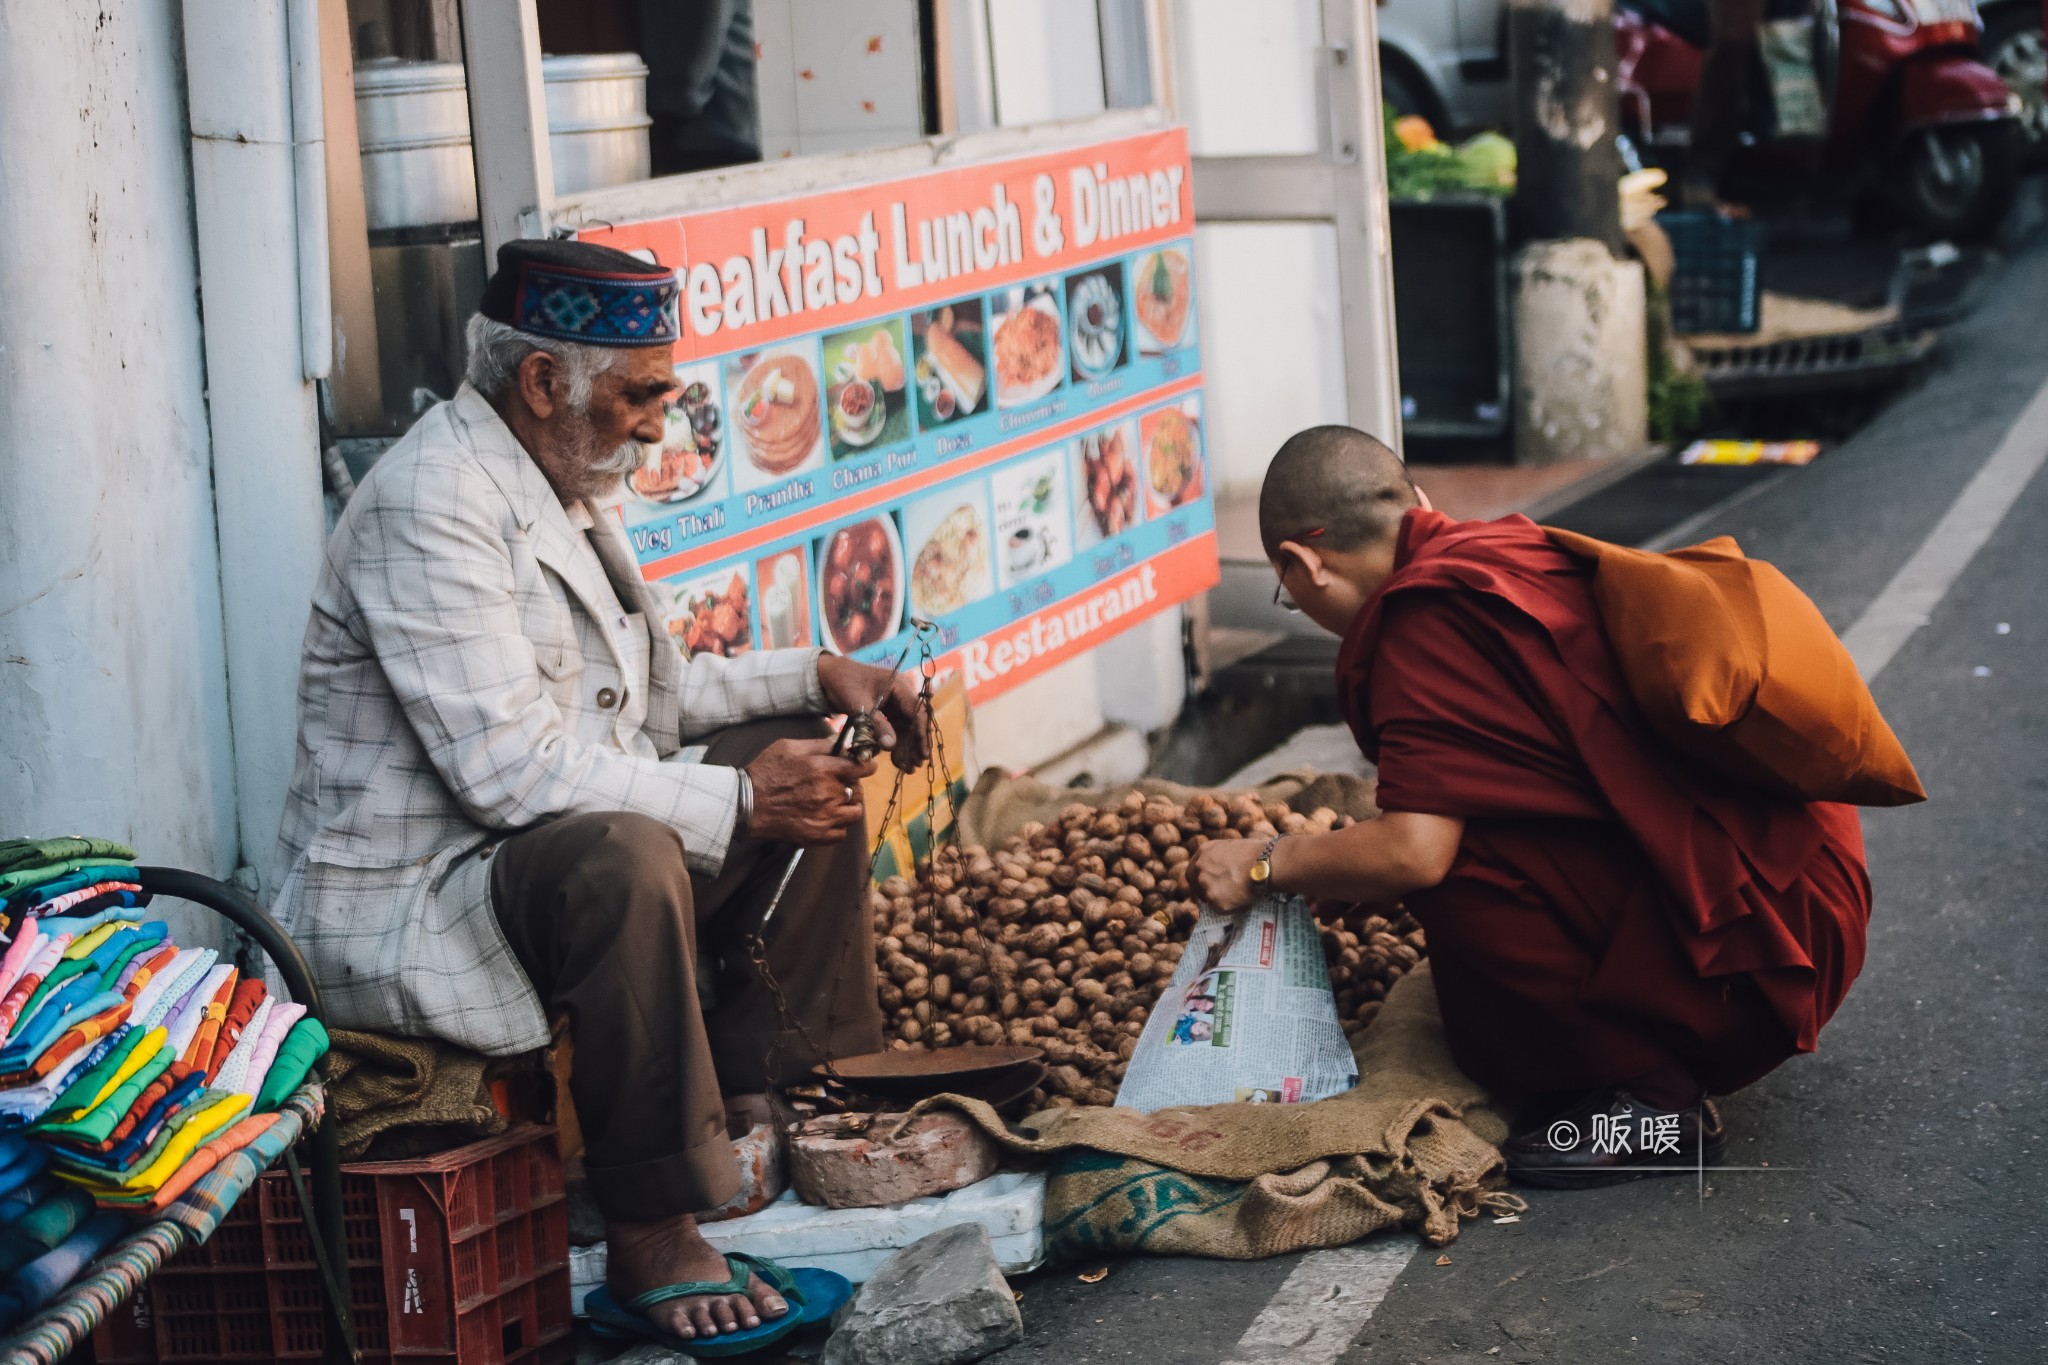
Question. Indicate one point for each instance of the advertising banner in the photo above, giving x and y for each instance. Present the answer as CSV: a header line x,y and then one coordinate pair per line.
x,y
970,396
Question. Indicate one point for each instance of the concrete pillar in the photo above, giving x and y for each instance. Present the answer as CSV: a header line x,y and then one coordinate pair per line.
x,y
266,435
1581,364
1581,358
113,692
1567,112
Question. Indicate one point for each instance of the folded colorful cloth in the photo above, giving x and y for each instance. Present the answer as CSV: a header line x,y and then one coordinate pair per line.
x,y
248,998
16,854
47,956
58,905
31,898
24,1104
53,1218
78,923
199,1051
21,880
182,1135
46,1011
15,1148
133,1148
43,1225
141,943
121,903
144,1109
84,944
169,986
185,1018
92,1023
285,1014
305,1045
35,1284
93,1132
235,1070
142,970
102,1081
24,1168
24,1197
61,1021
26,941
206,1157
201,1208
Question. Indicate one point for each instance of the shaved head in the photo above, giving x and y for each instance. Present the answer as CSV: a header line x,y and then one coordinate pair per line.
x,y
1334,488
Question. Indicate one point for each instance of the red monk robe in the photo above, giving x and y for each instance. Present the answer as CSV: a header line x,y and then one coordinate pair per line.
x,y
1614,908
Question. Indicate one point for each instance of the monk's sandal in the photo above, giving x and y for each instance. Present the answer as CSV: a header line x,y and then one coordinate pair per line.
x,y
1611,1137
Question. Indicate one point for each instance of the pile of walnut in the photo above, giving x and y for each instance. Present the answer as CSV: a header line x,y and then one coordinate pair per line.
x,y
1064,937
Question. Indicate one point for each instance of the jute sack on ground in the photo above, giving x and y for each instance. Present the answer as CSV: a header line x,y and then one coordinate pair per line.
x,y
1414,1145
1000,805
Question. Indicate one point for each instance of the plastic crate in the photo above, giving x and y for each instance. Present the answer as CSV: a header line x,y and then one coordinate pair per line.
x,y
462,1258
1717,282
1455,328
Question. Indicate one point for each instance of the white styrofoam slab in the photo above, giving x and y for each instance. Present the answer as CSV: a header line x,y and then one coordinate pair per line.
x,y
855,1242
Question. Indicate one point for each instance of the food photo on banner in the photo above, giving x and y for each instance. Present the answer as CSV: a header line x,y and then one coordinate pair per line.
x,y
969,396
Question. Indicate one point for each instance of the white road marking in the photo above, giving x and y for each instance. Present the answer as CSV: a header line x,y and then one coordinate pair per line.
x,y
1909,600
1687,531
1321,1308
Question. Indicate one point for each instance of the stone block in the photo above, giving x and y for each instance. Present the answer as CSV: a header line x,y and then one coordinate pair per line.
x,y
764,1174
939,1301
845,1162
1581,354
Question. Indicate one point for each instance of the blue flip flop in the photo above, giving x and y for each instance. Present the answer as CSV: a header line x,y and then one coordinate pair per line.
x,y
813,1296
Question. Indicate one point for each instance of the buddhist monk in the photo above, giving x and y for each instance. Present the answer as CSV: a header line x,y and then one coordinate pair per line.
x,y
1616,933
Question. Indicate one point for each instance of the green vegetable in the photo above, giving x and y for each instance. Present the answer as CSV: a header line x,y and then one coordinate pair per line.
x,y
1485,164
1161,281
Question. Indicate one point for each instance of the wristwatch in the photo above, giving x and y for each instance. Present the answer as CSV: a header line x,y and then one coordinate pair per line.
x,y
1262,870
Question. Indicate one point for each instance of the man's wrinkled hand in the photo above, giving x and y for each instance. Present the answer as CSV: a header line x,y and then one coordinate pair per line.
x,y
1223,873
804,794
901,720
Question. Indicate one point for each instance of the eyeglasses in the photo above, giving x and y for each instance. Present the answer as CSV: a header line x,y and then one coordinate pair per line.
x,y
1280,597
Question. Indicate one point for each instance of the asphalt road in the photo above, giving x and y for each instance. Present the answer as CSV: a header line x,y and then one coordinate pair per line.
x,y
1901,1215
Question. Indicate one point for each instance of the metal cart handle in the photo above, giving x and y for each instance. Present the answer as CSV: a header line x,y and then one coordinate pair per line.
x,y
325,1214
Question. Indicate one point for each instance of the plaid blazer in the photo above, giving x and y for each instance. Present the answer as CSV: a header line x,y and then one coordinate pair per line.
x,y
449,695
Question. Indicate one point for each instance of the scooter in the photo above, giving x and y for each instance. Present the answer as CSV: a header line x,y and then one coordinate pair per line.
x,y
1909,111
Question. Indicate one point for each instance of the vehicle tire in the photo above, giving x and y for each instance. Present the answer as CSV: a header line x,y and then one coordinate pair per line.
x,y
1955,182
1402,89
2015,47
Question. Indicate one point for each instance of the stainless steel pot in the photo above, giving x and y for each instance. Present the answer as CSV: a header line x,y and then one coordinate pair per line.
x,y
414,126
413,121
597,119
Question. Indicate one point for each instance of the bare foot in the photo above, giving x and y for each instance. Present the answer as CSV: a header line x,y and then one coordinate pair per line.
x,y
646,1256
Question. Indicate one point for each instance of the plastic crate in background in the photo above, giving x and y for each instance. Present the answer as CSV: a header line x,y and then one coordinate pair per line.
x,y
461,1257
1717,282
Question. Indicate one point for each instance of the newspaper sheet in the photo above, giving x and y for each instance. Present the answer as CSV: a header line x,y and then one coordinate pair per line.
x,y
1248,1017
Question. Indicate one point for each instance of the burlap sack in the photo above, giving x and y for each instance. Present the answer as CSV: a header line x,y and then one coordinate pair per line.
x,y
415,1094
1414,1145
1000,805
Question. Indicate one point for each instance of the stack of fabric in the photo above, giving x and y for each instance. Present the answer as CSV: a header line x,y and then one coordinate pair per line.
x,y
129,1067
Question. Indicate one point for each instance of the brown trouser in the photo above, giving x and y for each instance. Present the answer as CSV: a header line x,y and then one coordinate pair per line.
x,y
609,923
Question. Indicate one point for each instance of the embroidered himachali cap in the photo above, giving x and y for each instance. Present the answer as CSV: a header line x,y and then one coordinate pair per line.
x,y
578,291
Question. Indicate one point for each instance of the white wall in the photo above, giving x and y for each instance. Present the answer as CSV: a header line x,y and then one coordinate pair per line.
x,y
1047,59
836,77
1272,341
113,701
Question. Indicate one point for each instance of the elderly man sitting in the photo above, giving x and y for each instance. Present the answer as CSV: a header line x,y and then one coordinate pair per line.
x,y
513,799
